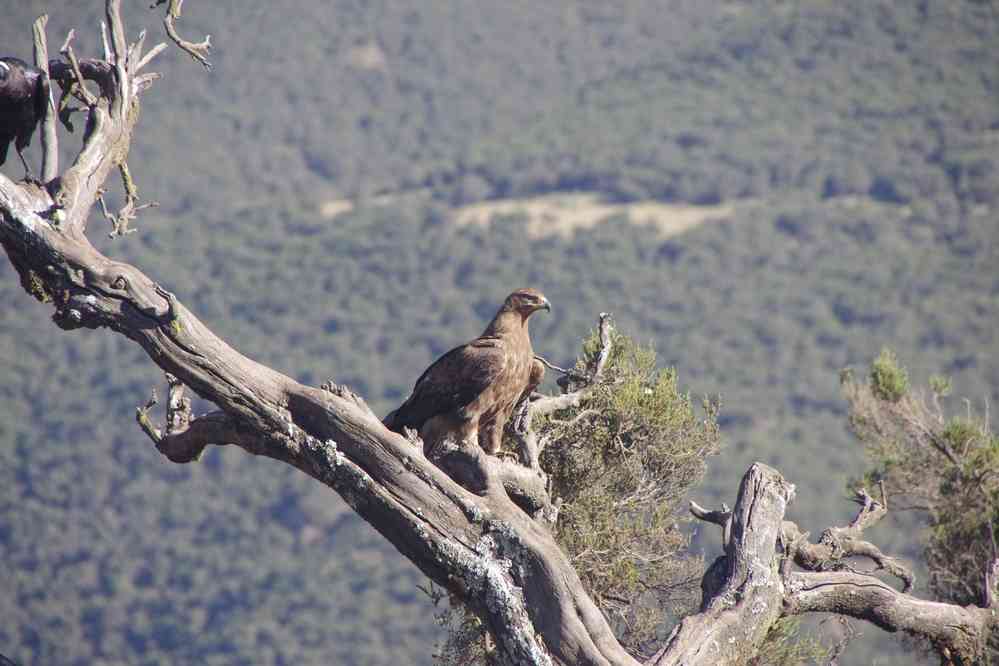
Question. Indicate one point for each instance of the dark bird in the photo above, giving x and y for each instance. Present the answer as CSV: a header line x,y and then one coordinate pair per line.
x,y
470,392
24,92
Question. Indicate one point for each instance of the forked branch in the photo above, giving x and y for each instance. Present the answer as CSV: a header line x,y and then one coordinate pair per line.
x,y
197,50
829,584
576,387
120,221
184,438
79,86
838,545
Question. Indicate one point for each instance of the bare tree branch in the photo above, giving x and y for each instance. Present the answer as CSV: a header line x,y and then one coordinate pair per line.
x,y
539,405
197,50
829,585
745,599
50,139
992,585
838,544
546,405
144,60
956,632
722,518
185,437
120,221
66,50
551,366
108,55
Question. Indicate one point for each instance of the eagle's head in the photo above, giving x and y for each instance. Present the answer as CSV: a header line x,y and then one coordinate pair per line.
x,y
16,76
526,302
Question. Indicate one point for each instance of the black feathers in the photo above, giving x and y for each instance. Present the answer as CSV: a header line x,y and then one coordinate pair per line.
x,y
23,96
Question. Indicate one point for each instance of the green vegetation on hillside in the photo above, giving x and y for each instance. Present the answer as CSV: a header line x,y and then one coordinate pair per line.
x,y
857,143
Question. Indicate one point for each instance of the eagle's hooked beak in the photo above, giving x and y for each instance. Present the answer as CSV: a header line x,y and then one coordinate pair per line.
x,y
545,305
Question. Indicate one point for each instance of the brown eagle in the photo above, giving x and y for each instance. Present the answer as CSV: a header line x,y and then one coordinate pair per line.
x,y
470,392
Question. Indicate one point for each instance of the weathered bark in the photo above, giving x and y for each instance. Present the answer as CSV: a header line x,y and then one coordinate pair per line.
x,y
958,633
831,584
483,533
744,597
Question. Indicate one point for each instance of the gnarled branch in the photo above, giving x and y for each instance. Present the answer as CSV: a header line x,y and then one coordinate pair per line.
x,y
958,633
744,599
838,544
197,50
828,584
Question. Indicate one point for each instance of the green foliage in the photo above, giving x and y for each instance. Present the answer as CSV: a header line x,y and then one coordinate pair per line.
x,y
889,380
940,386
788,644
622,462
943,467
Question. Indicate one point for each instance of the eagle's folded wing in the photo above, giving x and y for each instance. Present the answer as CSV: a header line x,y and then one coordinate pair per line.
x,y
453,382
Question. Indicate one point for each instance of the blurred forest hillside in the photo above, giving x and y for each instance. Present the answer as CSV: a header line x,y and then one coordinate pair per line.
x,y
823,180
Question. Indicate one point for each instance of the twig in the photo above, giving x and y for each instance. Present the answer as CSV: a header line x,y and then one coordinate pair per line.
x,y
178,405
722,518
549,404
144,60
142,418
119,47
838,544
551,366
50,139
128,212
184,438
718,517
178,411
534,405
605,345
85,95
143,81
135,51
197,50
64,109
108,56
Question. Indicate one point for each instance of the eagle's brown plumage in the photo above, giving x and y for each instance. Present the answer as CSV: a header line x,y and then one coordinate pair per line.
x,y
470,392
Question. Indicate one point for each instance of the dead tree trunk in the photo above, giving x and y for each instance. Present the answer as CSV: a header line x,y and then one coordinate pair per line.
x,y
488,542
